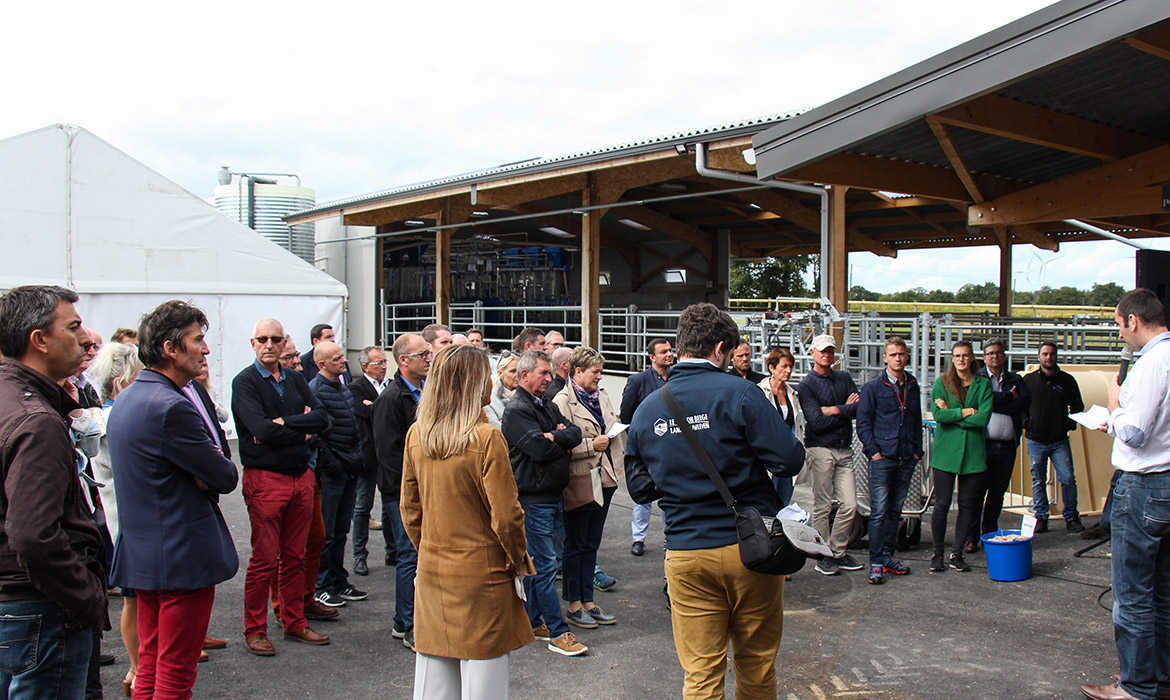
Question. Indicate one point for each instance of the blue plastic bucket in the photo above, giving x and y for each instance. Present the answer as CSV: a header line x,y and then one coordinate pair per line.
x,y
1008,561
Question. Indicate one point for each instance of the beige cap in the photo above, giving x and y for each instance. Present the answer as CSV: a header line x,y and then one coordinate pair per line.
x,y
821,342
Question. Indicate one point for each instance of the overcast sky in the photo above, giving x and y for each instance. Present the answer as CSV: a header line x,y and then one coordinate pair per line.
x,y
358,97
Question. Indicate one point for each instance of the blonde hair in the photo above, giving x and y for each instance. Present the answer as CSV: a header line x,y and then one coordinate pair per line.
x,y
452,400
584,358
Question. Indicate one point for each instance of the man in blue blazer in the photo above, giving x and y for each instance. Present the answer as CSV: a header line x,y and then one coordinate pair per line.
x,y
173,544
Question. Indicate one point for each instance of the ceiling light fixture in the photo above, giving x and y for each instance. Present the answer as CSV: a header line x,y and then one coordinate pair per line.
x,y
634,224
554,231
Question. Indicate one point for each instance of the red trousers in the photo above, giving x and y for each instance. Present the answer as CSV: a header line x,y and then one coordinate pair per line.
x,y
280,508
171,628
313,547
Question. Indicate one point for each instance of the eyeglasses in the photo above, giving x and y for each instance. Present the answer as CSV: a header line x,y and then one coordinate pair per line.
x,y
377,363
424,354
266,339
288,357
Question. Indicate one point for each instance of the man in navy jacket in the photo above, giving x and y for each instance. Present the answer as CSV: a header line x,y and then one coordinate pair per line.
x,y
173,544
829,399
1009,406
889,425
638,387
714,598
275,416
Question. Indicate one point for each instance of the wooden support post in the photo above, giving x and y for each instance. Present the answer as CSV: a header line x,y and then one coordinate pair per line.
x,y
838,256
838,250
1005,277
443,265
590,264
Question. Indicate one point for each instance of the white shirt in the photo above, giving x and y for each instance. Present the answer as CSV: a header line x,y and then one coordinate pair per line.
x,y
1141,425
378,386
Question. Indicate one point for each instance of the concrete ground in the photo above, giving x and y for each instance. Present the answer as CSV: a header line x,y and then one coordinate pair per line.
x,y
946,635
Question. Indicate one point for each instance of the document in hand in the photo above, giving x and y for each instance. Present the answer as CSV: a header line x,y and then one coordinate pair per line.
x,y
1094,419
616,429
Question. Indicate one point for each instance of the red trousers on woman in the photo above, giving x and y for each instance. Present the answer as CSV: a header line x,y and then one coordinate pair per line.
x,y
171,628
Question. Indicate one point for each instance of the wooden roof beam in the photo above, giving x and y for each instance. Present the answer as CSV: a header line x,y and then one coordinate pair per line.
x,y
956,161
1122,188
1019,121
663,223
1155,42
872,173
789,206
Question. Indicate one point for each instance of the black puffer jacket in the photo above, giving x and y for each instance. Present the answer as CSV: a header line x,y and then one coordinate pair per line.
x,y
541,465
341,448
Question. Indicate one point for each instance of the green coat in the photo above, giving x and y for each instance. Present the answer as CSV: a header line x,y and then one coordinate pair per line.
x,y
960,444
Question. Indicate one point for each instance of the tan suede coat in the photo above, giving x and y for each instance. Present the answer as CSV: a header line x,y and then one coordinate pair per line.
x,y
462,515
583,457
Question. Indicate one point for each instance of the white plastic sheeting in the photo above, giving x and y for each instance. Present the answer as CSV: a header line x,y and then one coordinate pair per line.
x,y
78,212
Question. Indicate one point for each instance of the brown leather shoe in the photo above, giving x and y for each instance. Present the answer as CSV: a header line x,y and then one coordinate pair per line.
x,y
259,645
316,611
307,636
1113,691
203,657
213,643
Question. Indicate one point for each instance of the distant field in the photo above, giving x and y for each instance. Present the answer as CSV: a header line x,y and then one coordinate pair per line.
x,y
916,307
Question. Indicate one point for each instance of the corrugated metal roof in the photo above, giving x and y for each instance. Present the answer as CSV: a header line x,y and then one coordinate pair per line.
x,y
744,127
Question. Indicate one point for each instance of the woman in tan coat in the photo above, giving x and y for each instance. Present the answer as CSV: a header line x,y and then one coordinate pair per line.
x,y
587,406
460,510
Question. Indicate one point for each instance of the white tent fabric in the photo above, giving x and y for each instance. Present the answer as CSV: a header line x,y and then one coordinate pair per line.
x,y
77,212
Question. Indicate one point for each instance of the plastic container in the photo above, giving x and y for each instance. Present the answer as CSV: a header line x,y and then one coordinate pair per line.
x,y
1008,561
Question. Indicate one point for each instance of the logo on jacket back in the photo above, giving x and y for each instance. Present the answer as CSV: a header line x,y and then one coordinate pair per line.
x,y
698,422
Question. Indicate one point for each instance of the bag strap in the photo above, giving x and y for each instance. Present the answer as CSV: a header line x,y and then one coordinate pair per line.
x,y
693,440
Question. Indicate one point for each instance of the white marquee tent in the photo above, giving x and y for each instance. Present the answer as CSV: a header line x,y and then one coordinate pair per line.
x,y
77,212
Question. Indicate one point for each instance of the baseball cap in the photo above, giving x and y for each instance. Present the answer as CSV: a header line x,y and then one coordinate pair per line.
x,y
824,341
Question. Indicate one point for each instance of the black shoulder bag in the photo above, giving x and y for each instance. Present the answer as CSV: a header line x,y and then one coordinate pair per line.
x,y
763,546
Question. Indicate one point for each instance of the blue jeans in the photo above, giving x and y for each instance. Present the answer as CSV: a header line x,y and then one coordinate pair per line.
x,y
1061,454
559,538
1107,511
363,505
889,480
544,608
583,528
404,570
1140,534
640,522
337,494
39,658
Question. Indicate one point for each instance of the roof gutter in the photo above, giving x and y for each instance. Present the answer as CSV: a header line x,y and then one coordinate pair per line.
x,y
1108,234
822,192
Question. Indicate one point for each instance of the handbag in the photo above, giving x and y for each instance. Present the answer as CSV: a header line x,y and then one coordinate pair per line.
x,y
764,543
584,490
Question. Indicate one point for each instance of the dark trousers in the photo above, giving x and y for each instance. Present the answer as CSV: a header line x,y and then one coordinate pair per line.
x,y
970,500
784,487
1001,460
40,658
1107,511
363,506
1140,537
583,528
337,496
889,480
406,566
171,629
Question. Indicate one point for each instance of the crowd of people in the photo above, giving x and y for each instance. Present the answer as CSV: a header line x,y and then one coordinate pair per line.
x,y
495,483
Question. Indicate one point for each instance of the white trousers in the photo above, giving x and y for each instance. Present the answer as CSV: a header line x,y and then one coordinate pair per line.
x,y
441,678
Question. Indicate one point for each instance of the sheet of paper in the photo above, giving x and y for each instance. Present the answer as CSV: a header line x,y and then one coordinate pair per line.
x,y
519,581
1094,418
1028,526
616,429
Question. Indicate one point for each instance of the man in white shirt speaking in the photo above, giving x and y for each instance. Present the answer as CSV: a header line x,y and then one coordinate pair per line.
x,y
1139,421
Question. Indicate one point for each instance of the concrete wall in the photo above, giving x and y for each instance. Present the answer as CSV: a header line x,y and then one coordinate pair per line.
x,y
355,264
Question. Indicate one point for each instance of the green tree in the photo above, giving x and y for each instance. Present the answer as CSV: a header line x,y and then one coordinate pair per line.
x,y
859,293
1061,296
915,294
986,293
1107,294
940,295
770,277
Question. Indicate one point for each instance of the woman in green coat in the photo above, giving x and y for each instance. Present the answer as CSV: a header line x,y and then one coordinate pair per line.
x,y
962,407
